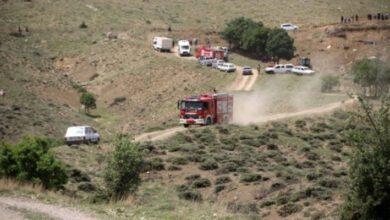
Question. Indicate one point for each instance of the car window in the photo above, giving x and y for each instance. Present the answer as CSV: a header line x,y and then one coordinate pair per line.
x,y
277,67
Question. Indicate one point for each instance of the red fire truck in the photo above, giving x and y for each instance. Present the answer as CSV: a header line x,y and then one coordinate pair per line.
x,y
206,109
211,53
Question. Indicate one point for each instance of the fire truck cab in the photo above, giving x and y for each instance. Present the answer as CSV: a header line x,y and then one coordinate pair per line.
x,y
206,109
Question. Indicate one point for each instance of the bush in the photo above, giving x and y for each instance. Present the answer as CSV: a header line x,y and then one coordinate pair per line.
x,y
179,160
250,177
219,188
208,165
289,209
222,180
173,168
192,177
201,183
329,82
31,160
191,195
155,163
245,208
122,174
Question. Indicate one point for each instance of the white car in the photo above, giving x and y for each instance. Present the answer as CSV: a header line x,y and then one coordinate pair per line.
x,y
216,63
289,27
227,67
81,135
279,68
302,70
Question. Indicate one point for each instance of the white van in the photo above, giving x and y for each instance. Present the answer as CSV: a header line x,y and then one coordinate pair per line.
x,y
162,44
81,134
184,48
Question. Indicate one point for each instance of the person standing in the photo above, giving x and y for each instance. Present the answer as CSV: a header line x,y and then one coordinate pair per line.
x,y
356,17
342,19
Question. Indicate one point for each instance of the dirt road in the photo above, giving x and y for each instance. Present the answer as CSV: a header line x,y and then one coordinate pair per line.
x,y
9,209
164,134
244,83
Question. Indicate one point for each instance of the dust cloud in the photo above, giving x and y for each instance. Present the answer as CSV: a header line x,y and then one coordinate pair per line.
x,y
279,94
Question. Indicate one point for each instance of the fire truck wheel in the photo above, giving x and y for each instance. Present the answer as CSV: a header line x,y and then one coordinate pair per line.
x,y
186,125
208,121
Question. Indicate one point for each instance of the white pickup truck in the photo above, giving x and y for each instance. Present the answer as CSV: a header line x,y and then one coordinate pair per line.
x,y
279,68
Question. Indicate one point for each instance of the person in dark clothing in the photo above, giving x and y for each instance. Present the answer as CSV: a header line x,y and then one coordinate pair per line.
x,y
342,19
356,17
382,17
369,17
378,16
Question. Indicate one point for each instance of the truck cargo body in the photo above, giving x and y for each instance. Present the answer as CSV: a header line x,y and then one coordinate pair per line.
x,y
162,44
206,109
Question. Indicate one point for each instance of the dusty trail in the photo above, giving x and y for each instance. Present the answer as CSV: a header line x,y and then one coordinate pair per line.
x,y
242,83
312,111
53,211
164,134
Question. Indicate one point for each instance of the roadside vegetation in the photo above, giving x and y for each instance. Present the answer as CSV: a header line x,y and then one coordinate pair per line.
x,y
253,37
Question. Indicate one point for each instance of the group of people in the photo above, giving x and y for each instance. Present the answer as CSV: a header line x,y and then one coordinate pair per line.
x,y
378,16
355,18
349,19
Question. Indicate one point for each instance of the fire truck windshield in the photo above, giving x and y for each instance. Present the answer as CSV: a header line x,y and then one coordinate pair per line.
x,y
193,105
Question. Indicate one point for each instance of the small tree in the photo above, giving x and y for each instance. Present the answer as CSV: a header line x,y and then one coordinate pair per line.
x,y
369,172
235,29
372,75
280,45
329,82
122,174
254,40
88,100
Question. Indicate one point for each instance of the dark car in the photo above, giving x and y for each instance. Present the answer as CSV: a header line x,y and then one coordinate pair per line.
x,y
246,70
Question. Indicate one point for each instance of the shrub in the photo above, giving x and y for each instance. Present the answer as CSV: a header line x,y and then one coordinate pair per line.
x,y
173,168
329,82
155,163
31,160
86,187
201,183
250,177
83,25
179,160
122,174
192,177
289,209
329,183
208,165
245,208
300,123
222,180
219,188
312,176
267,203
191,195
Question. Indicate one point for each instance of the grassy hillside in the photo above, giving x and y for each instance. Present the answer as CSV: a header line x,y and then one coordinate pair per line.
x,y
294,169
124,69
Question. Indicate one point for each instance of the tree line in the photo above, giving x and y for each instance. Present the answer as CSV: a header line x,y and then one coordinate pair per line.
x,y
253,37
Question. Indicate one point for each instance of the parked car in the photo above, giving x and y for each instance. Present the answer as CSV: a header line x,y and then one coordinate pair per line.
x,y
246,70
81,135
279,68
302,70
227,67
289,27
205,61
216,63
